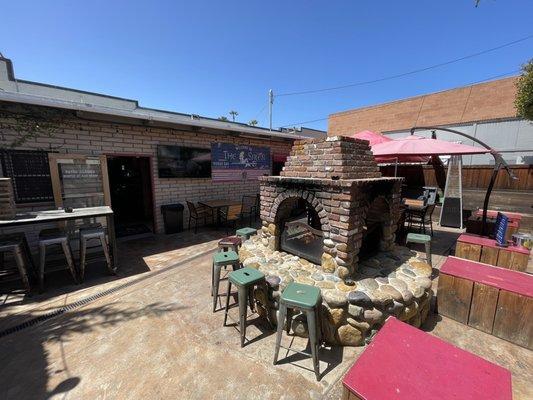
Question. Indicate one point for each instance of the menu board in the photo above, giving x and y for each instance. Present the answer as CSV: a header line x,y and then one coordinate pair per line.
x,y
230,162
79,180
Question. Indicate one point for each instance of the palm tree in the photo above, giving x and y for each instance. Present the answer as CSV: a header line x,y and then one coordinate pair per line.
x,y
233,114
253,122
223,118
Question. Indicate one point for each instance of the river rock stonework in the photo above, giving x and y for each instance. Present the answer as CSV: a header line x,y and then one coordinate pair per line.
x,y
393,282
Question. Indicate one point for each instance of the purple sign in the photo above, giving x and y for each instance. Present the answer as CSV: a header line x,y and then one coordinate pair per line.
x,y
230,162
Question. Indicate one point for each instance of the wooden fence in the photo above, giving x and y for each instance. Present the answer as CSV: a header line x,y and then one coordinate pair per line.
x,y
474,176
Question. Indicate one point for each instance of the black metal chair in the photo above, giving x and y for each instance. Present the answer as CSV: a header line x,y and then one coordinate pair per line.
x,y
248,207
421,217
198,213
229,216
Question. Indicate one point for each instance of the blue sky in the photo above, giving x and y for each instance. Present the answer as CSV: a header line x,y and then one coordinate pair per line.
x,y
208,57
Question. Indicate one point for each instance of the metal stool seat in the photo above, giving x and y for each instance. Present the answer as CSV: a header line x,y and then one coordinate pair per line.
x,y
50,237
245,233
16,244
307,299
93,232
422,239
245,279
230,243
221,260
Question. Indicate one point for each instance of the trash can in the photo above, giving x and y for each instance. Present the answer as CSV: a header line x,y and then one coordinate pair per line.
x,y
172,217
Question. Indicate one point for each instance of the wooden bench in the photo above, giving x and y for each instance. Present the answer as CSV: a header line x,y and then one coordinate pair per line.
x,y
403,362
485,250
494,300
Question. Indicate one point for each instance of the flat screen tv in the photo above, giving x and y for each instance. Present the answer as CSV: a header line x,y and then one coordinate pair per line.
x,y
183,162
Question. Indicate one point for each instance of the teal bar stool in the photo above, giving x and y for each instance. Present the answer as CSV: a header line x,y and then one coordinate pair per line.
x,y
221,260
422,239
245,279
245,233
307,299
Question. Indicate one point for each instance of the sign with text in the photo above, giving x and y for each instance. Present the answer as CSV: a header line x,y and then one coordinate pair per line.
x,y
500,228
230,162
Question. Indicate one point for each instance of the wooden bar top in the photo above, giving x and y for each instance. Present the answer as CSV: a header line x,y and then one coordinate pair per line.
x,y
488,242
405,363
490,275
37,217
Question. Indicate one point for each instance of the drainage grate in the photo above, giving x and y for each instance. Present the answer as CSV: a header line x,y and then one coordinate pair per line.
x,y
90,299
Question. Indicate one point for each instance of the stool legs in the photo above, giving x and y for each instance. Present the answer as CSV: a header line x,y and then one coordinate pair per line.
x,y
21,266
68,255
282,312
105,246
313,340
428,253
215,284
227,303
242,294
42,261
83,251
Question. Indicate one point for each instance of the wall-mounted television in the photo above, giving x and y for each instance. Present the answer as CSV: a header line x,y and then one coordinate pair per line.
x,y
183,162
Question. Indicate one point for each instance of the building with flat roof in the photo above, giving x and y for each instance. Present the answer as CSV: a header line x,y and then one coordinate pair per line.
x,y
484,110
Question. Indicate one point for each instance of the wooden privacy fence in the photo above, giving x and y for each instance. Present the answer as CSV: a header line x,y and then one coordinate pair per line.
x,y
474,176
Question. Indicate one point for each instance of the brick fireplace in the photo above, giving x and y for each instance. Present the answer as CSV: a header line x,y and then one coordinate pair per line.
x,y
330,205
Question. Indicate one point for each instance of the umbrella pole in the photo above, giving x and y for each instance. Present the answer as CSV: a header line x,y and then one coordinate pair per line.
x,y
487,197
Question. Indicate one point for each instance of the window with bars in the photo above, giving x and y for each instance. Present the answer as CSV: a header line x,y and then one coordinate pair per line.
x,y
30,173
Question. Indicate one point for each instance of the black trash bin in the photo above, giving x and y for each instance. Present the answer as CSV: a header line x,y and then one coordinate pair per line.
x,y
172,217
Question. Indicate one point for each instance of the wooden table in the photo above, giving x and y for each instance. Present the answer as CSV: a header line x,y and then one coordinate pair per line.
x,y
38,217
215,205
485,250
405,363
494,300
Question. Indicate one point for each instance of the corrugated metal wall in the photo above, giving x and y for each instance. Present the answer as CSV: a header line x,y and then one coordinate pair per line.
x,y
513,138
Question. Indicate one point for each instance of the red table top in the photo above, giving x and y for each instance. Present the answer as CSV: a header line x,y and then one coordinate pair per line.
x,y
405,363
501,278
485,241
494,214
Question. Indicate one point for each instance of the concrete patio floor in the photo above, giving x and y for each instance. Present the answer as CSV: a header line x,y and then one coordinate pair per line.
x,y
152,334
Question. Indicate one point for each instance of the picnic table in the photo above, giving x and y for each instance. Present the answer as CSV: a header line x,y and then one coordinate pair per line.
x,y
40,217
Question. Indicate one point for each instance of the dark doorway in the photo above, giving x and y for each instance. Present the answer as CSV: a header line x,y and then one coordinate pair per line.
x,y
130,184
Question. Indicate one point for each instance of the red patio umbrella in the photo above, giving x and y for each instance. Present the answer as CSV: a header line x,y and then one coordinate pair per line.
x,y
377,138
419,146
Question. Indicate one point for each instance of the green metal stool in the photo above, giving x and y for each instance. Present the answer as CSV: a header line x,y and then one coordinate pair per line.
x,y
245,233
221,260
307,299
245,279
423,239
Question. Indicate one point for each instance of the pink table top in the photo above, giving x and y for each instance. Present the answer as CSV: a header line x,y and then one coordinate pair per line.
x,y
485,241
501,278
405,363
494,214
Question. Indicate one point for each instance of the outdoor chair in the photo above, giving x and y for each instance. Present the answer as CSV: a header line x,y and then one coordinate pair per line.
x,y
198,213
421,218
54,237
17,246
229,216
248,207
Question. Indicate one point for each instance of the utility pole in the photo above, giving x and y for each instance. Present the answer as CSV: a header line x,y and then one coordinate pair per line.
x,y
270,103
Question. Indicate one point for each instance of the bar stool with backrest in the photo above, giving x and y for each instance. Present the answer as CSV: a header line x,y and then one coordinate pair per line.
x,y
52,237
245,279
93,233
221,260
307,299
16,244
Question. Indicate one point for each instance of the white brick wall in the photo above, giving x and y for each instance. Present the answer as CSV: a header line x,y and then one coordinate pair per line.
x,y
95,138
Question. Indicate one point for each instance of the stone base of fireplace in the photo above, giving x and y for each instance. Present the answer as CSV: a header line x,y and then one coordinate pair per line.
x,y
393,283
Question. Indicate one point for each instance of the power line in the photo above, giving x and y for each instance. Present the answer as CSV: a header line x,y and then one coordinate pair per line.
x,y
407,73
468,84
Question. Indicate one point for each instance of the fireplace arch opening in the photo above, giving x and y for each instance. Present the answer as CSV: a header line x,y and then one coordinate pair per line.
x,y
301,231
377,220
